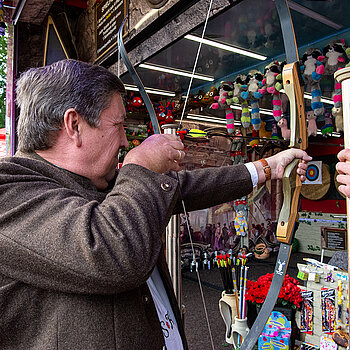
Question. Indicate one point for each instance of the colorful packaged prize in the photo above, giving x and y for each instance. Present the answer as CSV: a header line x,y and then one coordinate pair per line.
x,y
307,312
276,334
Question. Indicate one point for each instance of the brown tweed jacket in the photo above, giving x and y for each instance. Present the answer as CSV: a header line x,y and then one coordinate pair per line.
x,y
74,261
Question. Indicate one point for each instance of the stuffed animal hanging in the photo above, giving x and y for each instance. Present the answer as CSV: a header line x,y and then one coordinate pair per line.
x,y
254,84
241,205
237,154
222,102
240,96
272,84
337,110
241,225
313,69
336,55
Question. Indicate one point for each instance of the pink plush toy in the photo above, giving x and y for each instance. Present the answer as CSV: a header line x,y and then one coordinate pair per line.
x,y
272,84
283,124
222,101
311,125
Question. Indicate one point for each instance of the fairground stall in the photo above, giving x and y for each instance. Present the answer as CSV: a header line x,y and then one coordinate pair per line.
x,y
237,81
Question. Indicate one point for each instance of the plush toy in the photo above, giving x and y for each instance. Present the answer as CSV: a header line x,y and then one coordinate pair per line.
x,y
138,105
338,118
311,123
274,131
263,133
283,124
335,56
169,116
254,84
313,69
222,102
241,225
198,97
160,112
191,103
241,205
241,95
327,128
337,110
237,155
272,84
208,98
254,141
129,108
178,105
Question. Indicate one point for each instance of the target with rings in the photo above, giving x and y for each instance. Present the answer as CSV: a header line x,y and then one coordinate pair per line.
x,y
313,172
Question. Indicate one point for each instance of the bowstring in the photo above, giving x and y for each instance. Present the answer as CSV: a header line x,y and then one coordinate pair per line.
x,y
195,63
178,179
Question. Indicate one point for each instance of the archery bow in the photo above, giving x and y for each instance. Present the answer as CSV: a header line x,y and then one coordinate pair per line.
x,y
288,219
156,129
135,77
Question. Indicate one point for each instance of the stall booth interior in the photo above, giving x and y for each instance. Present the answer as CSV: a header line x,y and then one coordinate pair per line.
x,y
239,108
236,110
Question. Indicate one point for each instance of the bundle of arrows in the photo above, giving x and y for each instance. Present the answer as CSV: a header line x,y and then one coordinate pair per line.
x,y
230,268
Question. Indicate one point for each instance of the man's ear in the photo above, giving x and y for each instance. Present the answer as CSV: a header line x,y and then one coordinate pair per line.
x,y
72,124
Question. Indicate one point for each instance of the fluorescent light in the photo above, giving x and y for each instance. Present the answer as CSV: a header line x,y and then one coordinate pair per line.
x,y
327,100
175,71
262,110
312,14
150,90
207,118
308,96
333,134
226,47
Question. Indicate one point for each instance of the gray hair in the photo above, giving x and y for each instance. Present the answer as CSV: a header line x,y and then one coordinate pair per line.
x,y
45,93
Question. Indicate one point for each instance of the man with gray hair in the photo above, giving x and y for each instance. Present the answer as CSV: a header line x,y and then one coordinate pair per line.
x,y
82,263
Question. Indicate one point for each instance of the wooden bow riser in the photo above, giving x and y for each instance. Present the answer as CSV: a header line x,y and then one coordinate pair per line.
x,y
299,139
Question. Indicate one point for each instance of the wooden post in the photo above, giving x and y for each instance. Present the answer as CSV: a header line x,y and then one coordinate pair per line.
x,y
343,77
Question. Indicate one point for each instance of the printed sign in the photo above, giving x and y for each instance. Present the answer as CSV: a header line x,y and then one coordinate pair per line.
x,y
109,17
333,238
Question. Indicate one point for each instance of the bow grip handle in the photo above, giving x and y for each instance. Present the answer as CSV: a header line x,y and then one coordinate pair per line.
x,y
289,215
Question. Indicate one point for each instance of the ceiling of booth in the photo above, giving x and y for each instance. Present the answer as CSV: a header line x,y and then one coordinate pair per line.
x,y
250,25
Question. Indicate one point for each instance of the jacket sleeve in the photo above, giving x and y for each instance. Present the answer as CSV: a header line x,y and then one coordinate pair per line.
x,y
204,188
52,237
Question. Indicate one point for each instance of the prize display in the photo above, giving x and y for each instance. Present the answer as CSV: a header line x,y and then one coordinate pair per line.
x,y
306,314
